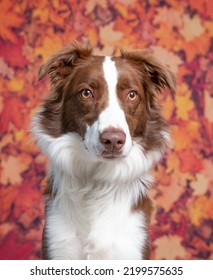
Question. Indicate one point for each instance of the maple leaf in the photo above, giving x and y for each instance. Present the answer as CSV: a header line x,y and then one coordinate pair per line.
x,y
190,161
91,4
200,208
8,20
196,46
184,105
202,6
42,12
14,111
173,162
171,17
200,185
168,107
50,44
17,83
18,58
169,194
167,57
192,28
109,36
184,133
12,168
169,247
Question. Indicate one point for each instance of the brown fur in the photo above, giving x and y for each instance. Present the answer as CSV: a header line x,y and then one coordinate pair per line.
x,y
144,205
75,68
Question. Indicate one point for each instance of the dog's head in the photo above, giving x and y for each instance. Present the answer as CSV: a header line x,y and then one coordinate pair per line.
x,y
110,102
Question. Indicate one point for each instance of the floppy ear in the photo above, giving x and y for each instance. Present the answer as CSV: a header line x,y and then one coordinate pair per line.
x,y
159,75
59,65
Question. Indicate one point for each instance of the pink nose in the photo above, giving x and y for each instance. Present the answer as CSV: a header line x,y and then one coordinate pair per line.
x,y
113,139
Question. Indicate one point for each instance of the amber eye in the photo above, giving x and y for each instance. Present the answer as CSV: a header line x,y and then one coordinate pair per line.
x,y
132,95
86,94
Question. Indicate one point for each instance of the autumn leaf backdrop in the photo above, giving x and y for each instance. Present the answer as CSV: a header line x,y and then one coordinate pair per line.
x,y
180,34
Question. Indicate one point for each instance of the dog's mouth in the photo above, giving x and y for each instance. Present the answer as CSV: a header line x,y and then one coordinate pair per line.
x,y
111,155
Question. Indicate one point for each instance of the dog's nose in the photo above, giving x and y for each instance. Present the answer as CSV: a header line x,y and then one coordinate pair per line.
x,y
113,139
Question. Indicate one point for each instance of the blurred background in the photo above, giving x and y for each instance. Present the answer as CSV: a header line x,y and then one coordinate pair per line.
x,y
180,34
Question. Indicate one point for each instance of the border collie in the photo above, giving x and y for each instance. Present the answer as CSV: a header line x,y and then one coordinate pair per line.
x,y
102,129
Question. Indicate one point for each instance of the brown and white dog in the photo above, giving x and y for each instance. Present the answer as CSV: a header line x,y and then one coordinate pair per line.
x,y
101,129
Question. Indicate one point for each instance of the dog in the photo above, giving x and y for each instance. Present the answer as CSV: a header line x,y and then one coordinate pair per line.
x,y
101,128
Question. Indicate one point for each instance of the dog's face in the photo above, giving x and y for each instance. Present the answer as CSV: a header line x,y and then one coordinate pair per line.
x,y
109,101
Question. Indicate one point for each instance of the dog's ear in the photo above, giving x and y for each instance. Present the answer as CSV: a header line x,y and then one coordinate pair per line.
x,y
159,75
60,65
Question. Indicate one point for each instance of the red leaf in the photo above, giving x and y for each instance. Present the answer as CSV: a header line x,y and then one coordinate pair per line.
x,y
12,53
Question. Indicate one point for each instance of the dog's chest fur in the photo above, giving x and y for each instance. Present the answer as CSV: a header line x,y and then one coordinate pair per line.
x,y
101,129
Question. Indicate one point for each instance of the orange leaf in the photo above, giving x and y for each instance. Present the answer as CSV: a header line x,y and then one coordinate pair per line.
x,y
166,36
14,111
200,208
8,20
189,161
197,46
202,6
183,129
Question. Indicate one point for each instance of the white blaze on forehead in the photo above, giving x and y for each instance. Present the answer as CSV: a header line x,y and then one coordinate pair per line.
x,y
113,115
111,77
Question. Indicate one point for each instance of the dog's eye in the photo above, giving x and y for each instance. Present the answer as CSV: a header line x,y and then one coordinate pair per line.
x,y
86,94
132,95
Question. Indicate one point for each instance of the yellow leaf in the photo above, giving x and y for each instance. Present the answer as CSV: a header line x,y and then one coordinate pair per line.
x,y
122,9
13,166
183,106
168,58
93,36
173,162
108,36
168,107
192,27
107,50
90,5
169,247
16,84
200,208
200,185
169,194
50,45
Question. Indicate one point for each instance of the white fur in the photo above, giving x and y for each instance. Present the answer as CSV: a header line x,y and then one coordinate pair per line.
x,y
90,216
